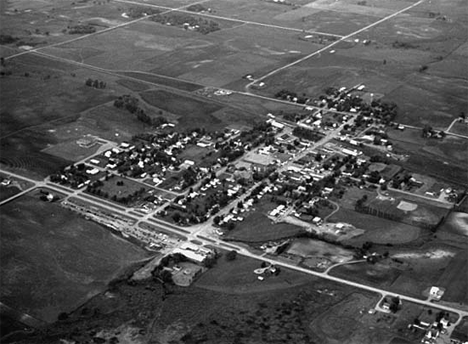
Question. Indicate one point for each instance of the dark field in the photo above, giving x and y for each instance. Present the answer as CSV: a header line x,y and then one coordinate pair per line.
x,y
53,260
190,112
21,153
257,227
455,280
162,80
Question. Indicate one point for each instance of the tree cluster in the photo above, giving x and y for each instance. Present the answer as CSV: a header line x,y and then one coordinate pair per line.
x,y
95,83
201,25
307,134
130,103
138,12
81,29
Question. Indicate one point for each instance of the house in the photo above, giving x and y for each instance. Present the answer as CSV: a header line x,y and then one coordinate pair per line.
x,y
275,124
350,152
86,142
317,221
436,293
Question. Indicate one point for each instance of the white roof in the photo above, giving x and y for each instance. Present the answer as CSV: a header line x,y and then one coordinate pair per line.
x,y
190,255
189,246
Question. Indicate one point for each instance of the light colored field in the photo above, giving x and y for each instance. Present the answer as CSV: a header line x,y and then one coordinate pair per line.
x,y
71,150
407,206
308,248
346,7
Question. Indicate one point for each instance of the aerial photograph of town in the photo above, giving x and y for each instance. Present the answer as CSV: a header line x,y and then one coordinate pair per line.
x,y
233,171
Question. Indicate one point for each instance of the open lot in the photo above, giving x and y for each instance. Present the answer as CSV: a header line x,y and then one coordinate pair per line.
x,y
53,260
377,229
257,227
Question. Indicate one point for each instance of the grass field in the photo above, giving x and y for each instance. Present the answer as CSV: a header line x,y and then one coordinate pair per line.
x,y
377,229
315,248
53,260
257,227
128,188
460,129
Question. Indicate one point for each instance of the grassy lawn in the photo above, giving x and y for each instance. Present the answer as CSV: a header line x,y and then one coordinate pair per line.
x,y
257,227
129,187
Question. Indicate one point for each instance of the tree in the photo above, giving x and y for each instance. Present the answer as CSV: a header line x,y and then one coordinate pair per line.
x,y
165,276
231,255
395,304
62,316
176,217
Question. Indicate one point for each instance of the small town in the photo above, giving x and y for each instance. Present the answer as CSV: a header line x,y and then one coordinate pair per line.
x,y
233,172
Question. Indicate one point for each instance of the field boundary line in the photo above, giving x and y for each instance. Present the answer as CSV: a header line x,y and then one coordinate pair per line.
x,y
343,38
98,32
243,21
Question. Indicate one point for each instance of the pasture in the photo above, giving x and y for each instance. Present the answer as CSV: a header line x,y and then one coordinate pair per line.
x,y
53,260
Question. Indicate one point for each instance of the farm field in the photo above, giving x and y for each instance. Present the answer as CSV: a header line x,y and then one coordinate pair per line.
x,y
53,260
389,66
